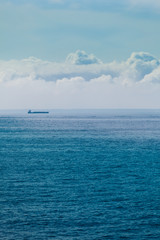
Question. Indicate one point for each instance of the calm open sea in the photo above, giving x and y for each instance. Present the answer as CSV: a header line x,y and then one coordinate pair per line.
x,y
80,175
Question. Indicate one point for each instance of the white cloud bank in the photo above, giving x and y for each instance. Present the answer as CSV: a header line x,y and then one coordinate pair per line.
x,y
82,81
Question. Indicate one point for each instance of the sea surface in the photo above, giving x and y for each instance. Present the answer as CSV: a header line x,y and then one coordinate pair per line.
x,y
80,175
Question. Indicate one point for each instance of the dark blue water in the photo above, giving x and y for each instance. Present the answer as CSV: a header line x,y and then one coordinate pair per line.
x,y
80,175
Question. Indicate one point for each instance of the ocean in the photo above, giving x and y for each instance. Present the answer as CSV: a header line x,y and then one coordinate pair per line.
x,y
80,175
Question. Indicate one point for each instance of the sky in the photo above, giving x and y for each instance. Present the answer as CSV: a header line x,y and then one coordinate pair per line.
x,y
79,54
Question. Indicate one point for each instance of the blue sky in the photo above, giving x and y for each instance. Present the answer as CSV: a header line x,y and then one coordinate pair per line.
x,y
79,54
51,29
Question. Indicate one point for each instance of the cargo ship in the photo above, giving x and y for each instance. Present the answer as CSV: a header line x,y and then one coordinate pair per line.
x,y
37,112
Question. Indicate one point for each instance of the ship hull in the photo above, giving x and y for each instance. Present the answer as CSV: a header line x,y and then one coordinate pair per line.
x,y
38,112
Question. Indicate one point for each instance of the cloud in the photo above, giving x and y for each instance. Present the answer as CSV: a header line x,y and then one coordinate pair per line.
x,y
77,64
34,83
141,64
153,77
81,64
142,57
82,58
76,93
